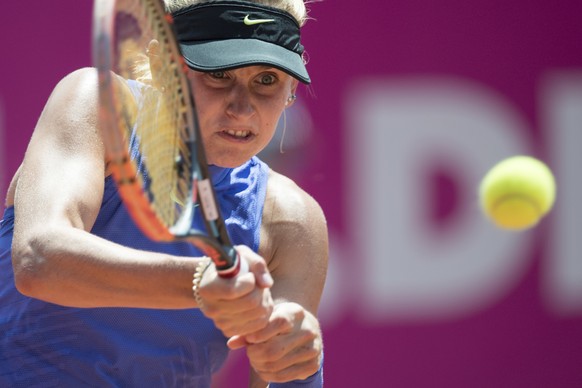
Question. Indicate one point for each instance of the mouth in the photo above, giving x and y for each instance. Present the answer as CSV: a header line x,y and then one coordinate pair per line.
x,y
237,134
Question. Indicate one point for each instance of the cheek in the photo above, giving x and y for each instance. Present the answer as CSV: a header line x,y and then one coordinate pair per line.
x,y
204,106
272,111
270,123
200,93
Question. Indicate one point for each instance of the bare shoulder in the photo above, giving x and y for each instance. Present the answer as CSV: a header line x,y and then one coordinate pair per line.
x,y
74,100
67,126
292,219
71,103
81,75
63,167
80,83
286,201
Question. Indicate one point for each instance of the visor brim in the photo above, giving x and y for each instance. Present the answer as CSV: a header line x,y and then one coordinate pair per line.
x,y
235,53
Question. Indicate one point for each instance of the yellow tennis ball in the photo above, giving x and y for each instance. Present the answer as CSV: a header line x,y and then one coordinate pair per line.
x,y
517,192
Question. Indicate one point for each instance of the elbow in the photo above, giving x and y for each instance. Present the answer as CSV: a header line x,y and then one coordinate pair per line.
x,y
26,284
27,264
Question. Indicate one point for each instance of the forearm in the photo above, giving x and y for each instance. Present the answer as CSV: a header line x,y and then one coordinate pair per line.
x,y
71,267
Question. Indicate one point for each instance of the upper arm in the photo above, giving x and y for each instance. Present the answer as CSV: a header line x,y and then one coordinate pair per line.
x,y
61,178
294,241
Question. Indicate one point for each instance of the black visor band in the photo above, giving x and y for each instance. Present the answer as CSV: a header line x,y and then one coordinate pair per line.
x,y
223,20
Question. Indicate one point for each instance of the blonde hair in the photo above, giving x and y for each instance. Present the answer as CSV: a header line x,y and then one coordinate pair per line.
x,y
296,8
141,66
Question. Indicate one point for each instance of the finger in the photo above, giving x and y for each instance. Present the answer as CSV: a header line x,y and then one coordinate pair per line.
x,y
238,327
277,326
301,363
299,371
153,53
279,347
236,342
298,354
217,289
254,301
282,321
257,266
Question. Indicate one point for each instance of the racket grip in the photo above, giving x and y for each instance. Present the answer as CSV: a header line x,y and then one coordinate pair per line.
x,y
240,266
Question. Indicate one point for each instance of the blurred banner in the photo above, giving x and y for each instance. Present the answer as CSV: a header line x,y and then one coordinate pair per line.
x,y
411,103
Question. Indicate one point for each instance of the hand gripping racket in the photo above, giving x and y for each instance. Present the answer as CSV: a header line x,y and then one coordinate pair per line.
x,y
150,129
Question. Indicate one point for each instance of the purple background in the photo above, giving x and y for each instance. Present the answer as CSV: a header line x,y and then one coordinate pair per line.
x,y
507,46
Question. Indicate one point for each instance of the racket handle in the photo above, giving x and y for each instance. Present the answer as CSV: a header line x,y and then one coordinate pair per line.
x,y
240,266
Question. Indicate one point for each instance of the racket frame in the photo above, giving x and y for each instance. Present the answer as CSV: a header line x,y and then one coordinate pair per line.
x,y
216,243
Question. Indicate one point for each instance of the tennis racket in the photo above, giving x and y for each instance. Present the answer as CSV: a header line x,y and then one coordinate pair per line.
x,y
150,129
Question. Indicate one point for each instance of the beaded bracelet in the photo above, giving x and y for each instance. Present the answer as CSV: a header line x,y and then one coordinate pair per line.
x,y
198,274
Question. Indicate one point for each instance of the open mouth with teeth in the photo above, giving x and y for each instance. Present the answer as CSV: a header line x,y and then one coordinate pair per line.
x,y
238,134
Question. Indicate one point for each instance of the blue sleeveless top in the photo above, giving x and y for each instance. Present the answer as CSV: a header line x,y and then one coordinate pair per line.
x,y
43,344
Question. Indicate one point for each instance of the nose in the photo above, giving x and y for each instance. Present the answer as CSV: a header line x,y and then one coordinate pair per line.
x,y
240,104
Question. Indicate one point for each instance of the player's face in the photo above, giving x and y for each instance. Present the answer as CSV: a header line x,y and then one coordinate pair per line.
x,y
239,110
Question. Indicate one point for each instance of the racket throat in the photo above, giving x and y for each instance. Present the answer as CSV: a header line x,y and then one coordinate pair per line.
x,y
183,226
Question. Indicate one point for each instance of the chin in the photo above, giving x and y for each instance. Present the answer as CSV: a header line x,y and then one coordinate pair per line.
x,y
228,158
228,163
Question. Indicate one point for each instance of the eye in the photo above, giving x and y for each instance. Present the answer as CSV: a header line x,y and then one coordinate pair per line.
x,y
218,74
267,79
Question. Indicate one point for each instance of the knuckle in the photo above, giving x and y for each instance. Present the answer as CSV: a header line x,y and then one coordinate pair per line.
x,y
313,355
227,330
271,353
299,312
256,325
282,323
256,300
308,335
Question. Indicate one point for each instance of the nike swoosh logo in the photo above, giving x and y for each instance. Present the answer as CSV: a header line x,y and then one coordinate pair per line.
x,y
251,22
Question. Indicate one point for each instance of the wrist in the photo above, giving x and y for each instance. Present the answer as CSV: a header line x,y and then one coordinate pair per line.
x,y
201,268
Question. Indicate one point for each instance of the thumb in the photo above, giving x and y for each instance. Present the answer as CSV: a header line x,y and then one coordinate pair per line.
x,y
236,342
257,266
263,277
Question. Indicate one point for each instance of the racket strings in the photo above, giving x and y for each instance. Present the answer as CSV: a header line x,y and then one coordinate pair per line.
x,y
158,139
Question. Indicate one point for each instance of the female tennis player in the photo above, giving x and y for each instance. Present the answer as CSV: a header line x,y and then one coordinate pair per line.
x,y
87,299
